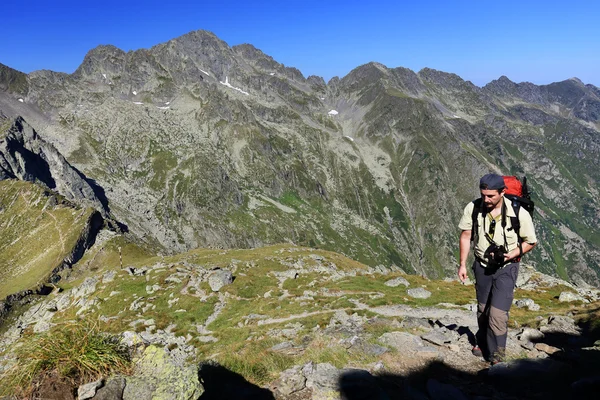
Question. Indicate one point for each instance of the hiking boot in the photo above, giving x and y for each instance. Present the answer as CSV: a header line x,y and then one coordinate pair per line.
x,y
476,351
498,356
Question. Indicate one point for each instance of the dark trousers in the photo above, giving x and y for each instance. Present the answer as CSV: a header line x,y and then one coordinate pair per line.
x,y
495,292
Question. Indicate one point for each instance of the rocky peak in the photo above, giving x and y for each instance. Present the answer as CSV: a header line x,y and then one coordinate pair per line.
x,y
104,59
446,80
364,76
13,81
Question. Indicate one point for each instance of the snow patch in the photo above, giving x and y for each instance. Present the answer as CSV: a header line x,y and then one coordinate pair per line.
x,y
226,83
137,102
322,98
167,103
21,100
134,93
204,72
333,112
349,138
163,108
104,75
272,74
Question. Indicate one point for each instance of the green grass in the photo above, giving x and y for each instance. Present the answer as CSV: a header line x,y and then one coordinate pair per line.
x,y
78,352
35,238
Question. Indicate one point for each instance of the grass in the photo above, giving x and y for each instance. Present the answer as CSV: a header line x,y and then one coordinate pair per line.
x,y
78,352
36,237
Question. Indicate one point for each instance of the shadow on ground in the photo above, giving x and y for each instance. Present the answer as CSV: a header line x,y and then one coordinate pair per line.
x,y
572,373
222,384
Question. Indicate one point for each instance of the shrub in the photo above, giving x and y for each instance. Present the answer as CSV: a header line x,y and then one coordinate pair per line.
x,y
77,352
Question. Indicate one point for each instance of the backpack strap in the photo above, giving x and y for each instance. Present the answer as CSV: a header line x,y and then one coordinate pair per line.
x,y
516,225
477,208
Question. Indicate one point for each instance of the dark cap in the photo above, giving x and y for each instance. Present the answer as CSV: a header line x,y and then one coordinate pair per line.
x,y
491,182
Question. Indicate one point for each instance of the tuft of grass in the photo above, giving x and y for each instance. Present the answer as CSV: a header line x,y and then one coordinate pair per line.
x,y
78,352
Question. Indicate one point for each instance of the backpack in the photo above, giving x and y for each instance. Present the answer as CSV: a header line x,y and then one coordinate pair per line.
x,y
519,196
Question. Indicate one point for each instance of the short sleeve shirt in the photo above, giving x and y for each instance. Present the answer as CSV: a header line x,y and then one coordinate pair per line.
x,y
527,231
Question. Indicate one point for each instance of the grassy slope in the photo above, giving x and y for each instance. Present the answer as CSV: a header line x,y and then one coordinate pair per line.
x,y
243,343
34,237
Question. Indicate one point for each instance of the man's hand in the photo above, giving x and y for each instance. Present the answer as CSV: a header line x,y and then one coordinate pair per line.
x,y
462,273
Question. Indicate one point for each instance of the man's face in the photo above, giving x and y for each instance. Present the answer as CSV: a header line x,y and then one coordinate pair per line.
x,y
491,198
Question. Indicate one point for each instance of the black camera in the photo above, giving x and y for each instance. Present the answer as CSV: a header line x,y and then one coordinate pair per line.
x,y
495,255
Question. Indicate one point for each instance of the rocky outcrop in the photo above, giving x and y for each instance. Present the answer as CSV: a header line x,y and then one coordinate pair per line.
x,y
26,156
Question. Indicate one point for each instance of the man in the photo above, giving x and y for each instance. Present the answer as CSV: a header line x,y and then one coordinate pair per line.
x,y
498,250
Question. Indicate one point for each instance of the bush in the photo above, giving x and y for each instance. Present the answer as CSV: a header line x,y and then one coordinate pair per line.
x,y
77,352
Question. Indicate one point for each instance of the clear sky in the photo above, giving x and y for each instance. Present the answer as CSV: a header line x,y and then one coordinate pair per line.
x,y
539,41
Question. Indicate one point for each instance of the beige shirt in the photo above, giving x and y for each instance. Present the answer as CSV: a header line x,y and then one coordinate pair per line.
x,y
526,231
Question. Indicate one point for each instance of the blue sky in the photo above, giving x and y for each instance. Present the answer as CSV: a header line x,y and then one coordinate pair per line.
x,y
480,40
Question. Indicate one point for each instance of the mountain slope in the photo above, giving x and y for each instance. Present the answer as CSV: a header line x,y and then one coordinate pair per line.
x,y
196,143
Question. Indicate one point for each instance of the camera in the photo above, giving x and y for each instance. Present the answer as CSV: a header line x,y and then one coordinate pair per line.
x,y
495,255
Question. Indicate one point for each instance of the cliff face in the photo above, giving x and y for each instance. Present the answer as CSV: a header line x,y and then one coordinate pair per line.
x,y
196,143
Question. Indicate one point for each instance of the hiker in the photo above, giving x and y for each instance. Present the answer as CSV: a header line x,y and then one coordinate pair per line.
x,y
498,248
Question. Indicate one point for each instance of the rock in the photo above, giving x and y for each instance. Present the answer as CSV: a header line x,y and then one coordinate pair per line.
x,y
415,322
530,304
397,282
440,336
85,289
561,324
109,276
112,389
530,335
358,345
88,390
419,293
402,341
569,297
219,278
321,377
162,374
290,381
546,348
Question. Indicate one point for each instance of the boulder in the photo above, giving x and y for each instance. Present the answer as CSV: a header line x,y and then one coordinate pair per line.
x,y
419,293
219,278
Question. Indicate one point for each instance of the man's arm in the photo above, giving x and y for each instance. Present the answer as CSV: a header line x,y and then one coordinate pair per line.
x,y
516,253
464,246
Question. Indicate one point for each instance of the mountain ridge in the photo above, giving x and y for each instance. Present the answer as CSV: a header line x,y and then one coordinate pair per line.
x,y
191,133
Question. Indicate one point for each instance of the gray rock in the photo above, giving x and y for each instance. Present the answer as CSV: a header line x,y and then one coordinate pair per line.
x,y
85,289
569,297
530,335
397,282
112,389
419,293
561,324
415,322
530,304
440,336
402,341
321,377
290,381
219,278
88,390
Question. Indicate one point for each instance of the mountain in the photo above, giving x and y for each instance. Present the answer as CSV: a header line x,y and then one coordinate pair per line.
x,y
198,144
